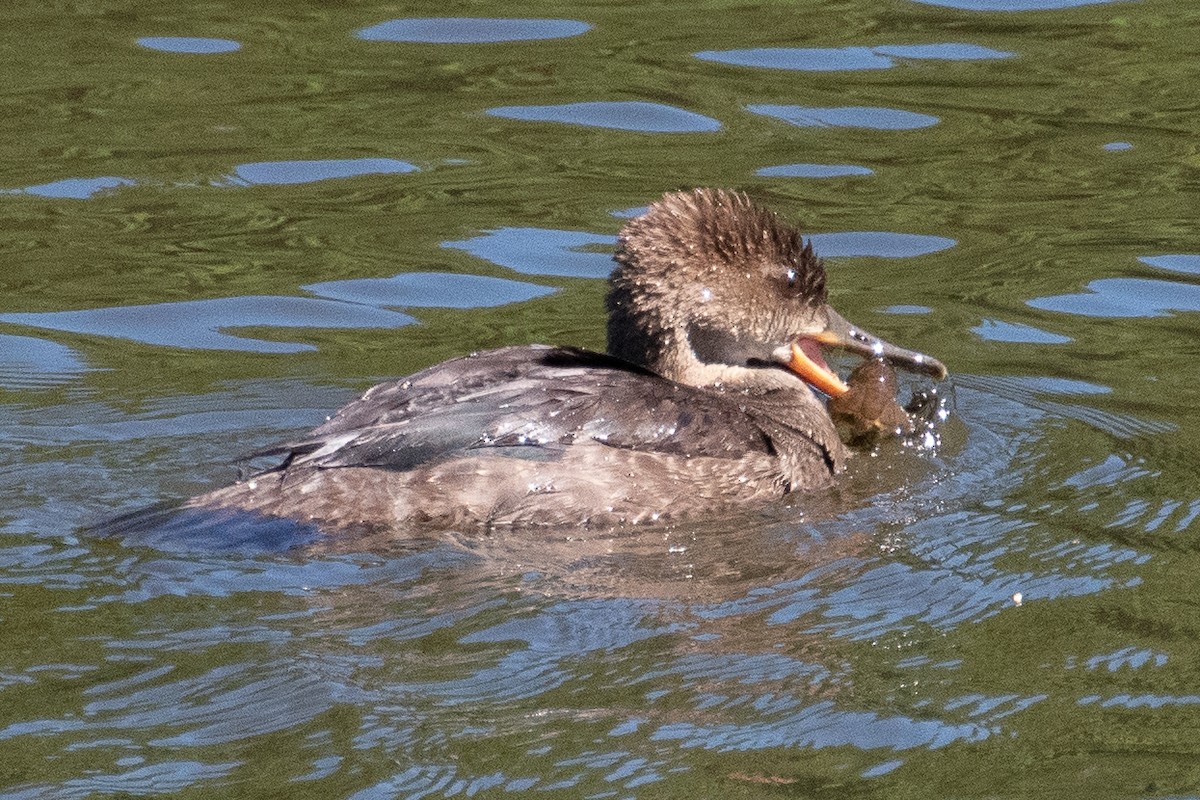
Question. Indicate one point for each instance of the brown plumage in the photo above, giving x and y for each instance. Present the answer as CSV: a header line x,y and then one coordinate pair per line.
x,y
699,407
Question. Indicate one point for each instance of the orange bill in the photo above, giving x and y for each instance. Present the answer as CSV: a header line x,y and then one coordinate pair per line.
x,y
816,373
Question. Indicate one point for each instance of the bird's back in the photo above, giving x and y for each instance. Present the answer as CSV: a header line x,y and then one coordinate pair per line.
x,y
538,436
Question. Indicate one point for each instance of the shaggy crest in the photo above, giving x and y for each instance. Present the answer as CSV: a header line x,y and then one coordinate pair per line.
x,y
718,226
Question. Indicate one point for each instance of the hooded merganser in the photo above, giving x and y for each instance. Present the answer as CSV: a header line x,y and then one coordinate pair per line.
x,y
716,316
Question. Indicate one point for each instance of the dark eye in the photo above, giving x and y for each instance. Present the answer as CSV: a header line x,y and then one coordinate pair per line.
x,y
792,281
789,278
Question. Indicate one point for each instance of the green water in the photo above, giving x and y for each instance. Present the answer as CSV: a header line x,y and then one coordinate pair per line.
x,y
875,651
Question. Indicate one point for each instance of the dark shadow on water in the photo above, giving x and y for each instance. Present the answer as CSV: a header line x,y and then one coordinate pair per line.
x,y
171,529
167,550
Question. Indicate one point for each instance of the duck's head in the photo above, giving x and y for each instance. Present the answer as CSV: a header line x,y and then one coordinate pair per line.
x,y
713,290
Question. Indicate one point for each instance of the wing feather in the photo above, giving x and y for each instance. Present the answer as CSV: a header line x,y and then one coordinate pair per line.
x,y
525,397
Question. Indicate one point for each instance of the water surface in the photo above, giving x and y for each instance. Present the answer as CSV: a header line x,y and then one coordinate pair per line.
x,y
205,252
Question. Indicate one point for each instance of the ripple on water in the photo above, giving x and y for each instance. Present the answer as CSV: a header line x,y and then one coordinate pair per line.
x,y
1029,392
1132,701
1012,5
880,244
822,725
224,704
395,676
201,324
1049,385
165,777
1183,263
295,172
542,251
890,597
542,663
471,30
960,564
883,768
892,119
582,626
705,670
1115,298
956,578
262,173
1176,516
75,188
994,330
224,555
443,780
907,310
361,303
430,289
194,45
829,59
623,115
518,676
27,362
268,406
1125,658
813,171
1115,496
727,694
1133,297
